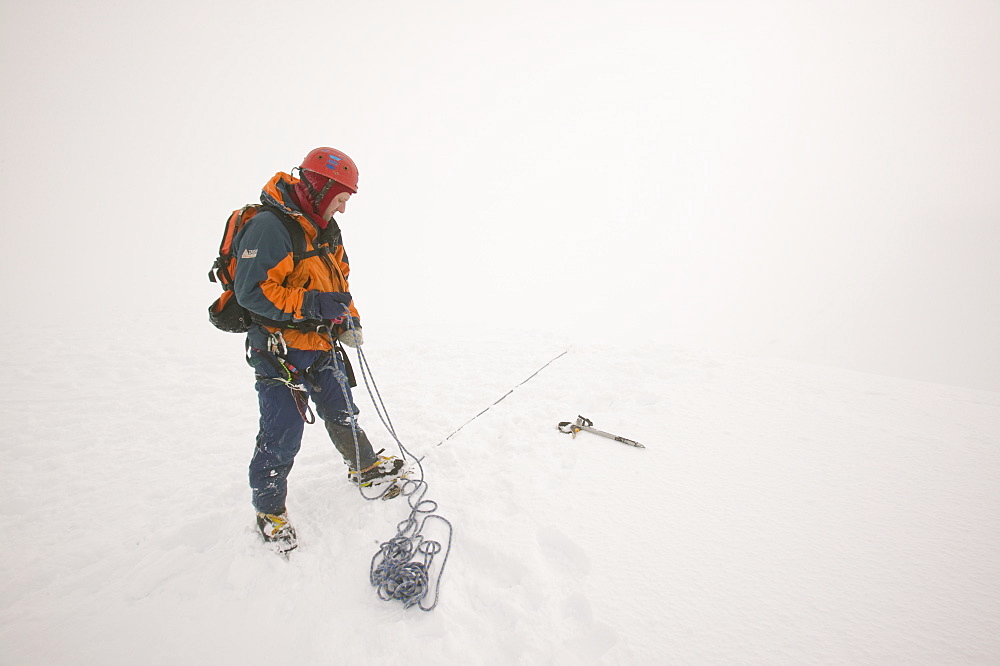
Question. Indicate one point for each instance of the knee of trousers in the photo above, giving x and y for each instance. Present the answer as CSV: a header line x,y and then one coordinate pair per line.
x,y
275,449
343,439
281,425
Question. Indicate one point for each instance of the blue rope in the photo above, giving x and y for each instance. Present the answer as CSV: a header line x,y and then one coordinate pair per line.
x,y
402,568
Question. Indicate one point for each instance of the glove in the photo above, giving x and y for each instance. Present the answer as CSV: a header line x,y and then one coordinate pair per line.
x,y
333,304
352,337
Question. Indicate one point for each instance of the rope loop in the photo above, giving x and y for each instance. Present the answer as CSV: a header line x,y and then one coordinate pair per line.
x,y
402,569
405,526
401,581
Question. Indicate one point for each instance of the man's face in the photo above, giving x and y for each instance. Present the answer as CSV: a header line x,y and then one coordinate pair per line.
x,y
338,205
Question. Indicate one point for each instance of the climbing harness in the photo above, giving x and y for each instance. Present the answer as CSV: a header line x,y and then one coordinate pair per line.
x,y
275,356
587,425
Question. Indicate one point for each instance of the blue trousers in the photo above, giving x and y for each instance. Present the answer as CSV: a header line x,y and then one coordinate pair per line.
x,y
282,424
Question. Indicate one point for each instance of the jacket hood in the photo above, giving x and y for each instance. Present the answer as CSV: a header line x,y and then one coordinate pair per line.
x,y
278,193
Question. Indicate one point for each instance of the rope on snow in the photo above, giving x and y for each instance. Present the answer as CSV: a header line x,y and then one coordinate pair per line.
x,y
501,398
402,569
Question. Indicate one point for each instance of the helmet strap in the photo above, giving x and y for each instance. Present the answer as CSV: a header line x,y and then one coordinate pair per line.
x,y
317,196
321,194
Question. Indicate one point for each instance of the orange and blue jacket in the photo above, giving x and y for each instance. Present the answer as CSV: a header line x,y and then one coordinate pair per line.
x,y
269,282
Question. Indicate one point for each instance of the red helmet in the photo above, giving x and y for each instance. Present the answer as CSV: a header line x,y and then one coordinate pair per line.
x,y
333,164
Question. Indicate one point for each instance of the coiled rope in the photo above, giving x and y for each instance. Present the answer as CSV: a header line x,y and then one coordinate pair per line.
x,y
402,569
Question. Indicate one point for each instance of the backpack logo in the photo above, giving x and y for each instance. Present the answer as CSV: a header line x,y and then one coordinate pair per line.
x,y
248,254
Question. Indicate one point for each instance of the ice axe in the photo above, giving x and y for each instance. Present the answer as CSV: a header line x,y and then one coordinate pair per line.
x,y
586,424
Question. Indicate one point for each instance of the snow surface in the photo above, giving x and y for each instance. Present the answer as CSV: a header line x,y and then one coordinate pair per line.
x,y
815,181
781,513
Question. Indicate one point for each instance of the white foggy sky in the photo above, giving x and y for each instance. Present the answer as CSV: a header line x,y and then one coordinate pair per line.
x,y
811,180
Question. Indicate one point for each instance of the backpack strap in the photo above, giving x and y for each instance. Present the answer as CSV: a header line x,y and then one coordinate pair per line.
x,y
295,232
322,244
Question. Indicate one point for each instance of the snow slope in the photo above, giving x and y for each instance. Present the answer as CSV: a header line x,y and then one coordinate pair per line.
x,y
780,514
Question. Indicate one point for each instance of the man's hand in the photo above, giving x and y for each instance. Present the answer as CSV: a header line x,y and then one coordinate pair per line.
x,y
333,305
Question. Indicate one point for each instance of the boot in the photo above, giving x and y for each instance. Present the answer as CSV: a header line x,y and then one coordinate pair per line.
x,y
382,471
277,531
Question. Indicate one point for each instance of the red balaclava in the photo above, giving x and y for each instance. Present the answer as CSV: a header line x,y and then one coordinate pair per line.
x,y
307,200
